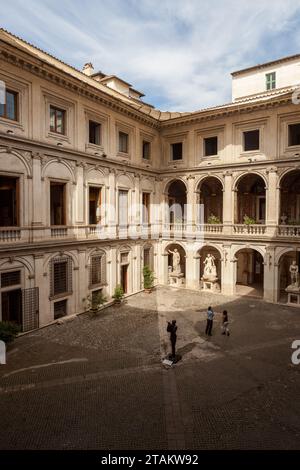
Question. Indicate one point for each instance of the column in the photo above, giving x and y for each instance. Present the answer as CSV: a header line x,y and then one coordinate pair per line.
x,y
228,278
112,206
228,203
38,203
270,284
272,202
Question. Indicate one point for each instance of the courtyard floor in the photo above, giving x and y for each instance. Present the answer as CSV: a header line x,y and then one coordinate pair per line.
x,y
98,383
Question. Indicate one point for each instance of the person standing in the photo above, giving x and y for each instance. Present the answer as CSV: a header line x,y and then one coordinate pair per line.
x,y
225,323
209,322
172,329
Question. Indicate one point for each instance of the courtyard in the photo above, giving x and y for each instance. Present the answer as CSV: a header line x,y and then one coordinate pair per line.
x,y
99,383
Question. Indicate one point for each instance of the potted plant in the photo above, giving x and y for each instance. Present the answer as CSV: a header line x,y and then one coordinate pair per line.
x,y
8,331
95,302
249,220
148,279
118,294
213,219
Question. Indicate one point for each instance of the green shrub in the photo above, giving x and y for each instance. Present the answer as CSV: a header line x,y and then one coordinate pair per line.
x,y
213,219
118,293
8,331
249,220
148,277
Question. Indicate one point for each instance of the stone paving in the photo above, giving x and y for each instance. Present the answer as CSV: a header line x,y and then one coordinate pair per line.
x,y
98,383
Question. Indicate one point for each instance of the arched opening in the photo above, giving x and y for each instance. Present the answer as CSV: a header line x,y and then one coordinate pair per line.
x,y
211,196
288,278
290,199
250,207
210,269
249,272
176,202
176,264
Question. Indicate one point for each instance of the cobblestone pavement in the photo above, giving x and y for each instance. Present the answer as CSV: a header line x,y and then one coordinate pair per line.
x,y
98,383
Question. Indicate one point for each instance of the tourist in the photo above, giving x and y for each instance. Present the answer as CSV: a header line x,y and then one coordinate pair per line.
x,y
209,323
172,328
225,323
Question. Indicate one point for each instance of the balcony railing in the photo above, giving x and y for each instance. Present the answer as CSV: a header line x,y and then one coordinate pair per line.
x,y
253,229
10,234
59,232
291,231
210,228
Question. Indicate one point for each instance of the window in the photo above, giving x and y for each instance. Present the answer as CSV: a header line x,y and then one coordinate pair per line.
x,y
176,151
146,208
147,257
94,205
270,81
60,276
57,120
94,133
123,208
9,201
294,134
9,109
123,142
60,309
146,150
57,204
251,140
210,146
97,270
10,278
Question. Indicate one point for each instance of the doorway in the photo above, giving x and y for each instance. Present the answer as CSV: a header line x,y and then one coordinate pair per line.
x,y
124,277
11,306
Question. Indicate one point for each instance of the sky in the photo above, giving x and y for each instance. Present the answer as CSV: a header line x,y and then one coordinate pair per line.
x,y
180,53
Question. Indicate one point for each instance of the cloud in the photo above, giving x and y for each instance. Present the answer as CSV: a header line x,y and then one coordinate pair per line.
x,y
179,53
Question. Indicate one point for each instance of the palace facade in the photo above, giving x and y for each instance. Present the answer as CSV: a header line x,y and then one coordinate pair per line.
x,y
95,183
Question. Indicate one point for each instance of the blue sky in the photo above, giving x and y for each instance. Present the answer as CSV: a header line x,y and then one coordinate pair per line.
x,y
178,52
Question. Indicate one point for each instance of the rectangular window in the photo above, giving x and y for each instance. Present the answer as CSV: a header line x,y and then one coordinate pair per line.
x,y
57,204
147,257
9,201
9,109
60,277
294,134
94,205
251,140
210,146
94,133
11,278
123,208
146,150
270,81
60,309
176,151
123,142
95,270
57,120
146,208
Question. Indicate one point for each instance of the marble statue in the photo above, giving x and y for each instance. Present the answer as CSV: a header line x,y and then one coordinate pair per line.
x,y
294,272
175,261
210,270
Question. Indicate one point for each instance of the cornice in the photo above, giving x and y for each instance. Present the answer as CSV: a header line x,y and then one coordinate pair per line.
x,y
50,73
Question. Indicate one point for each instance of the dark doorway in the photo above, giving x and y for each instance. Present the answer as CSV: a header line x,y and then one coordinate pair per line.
x,y
11,305
124,277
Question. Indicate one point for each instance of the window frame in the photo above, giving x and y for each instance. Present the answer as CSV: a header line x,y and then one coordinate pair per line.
x,y
172,145
146,158
98,124
289,134
126,152
205,139
16,106
244,132
64,124
270,81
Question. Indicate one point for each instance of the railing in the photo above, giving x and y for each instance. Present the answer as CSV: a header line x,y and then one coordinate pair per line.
x,y
10,234
59,232
210,228
253,229
288,231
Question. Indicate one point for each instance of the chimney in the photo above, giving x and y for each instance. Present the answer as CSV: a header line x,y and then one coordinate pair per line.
x,y
88,69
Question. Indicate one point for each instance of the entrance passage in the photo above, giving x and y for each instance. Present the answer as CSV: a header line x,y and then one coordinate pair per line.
x,y
11,306
250,273
124,277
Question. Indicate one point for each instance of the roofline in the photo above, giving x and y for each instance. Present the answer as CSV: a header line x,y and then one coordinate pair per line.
x,y
266,64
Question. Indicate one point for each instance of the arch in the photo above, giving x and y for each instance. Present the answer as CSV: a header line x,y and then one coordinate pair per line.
x,y
18,165
23,261
286,173
94,252
212,280
289,192
169,243
283,251
125,180
208,245
238,178
171,181
284,279
202,178
210,194
249,271
250,199
259,249
147,185
56,254
59,163
94,175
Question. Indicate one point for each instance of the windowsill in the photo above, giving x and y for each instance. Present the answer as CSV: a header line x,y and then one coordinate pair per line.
x,y
123,155
60,296
247,153
57,136
11,123
94,147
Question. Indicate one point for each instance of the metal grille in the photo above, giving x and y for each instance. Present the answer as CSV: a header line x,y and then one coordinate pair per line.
x,y
60,309
11,278
61,276
30,301
98,270
148,257
124,258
